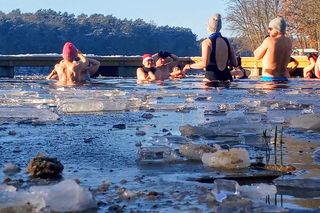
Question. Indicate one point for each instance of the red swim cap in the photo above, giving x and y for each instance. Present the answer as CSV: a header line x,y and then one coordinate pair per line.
x,y
146,57
69,51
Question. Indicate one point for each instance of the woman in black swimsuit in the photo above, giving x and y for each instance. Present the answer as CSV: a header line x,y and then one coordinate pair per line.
x,y
217,54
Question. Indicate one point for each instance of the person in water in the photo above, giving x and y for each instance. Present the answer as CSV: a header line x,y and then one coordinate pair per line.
x,y
217,54
317,68
239,72
177,72
309,71
293,67
158,71
74,67
165,62
275,52
146,74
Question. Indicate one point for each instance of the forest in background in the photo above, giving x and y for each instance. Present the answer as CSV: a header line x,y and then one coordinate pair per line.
x,y
45,31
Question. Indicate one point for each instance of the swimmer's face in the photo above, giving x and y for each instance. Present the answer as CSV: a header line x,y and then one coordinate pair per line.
x,y
160,62
273,32
176,69
148,63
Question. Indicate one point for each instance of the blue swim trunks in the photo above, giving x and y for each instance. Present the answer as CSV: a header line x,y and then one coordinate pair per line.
x,y
269,78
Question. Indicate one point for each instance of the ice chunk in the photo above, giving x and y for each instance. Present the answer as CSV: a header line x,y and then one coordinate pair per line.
x,y
307,121
23,113
224,188
258,191
195,151
92,106
253,118
191,131
316,155
66,196
10,169
154,153
235,158
7,188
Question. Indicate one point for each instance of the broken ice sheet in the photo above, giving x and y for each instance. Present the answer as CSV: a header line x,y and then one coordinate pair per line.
x,y
16,113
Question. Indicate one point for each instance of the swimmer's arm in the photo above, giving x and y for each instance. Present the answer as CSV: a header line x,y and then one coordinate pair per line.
x,y
261,50
317,68
155,57
233,58
205,56
54,74
93,66
84,60
143,78
174,62
310,67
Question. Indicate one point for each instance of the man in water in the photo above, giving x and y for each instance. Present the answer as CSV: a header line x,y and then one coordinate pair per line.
x,y
164,65
146,74
73,69
275,52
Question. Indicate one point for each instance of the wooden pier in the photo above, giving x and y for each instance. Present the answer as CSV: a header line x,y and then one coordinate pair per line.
x,y
110,65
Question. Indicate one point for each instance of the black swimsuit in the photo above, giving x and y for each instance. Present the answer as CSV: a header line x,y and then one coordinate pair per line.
x,y
212,71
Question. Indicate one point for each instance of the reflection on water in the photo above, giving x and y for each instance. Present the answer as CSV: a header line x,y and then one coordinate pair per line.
x,y
77,125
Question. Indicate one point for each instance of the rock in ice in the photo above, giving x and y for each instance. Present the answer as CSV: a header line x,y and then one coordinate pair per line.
x,y
235,158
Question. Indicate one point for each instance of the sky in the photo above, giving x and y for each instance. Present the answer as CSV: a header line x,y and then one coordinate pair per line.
x,y
192,14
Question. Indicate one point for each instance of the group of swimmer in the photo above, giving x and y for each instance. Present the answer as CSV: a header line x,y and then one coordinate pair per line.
x,y
216,59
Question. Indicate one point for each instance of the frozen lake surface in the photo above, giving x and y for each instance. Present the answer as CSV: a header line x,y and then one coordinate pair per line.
x,y
106,131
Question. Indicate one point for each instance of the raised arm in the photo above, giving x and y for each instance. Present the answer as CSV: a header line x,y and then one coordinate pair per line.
x,y
262,49
93,66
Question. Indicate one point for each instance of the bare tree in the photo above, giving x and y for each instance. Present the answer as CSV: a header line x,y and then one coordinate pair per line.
x,y
249,19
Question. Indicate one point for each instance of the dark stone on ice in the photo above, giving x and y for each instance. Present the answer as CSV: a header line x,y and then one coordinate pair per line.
x,y
147,116
45,167
119,126
12,132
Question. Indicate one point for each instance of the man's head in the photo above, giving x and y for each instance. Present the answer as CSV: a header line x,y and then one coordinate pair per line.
x,y
69,51
278,24
214,23
147,60
160,62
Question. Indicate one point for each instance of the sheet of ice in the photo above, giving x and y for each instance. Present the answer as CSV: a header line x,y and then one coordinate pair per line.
x,y
16,113
298,182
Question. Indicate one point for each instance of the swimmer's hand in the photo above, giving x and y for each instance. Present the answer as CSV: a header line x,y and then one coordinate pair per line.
x,y
161,54
166,54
